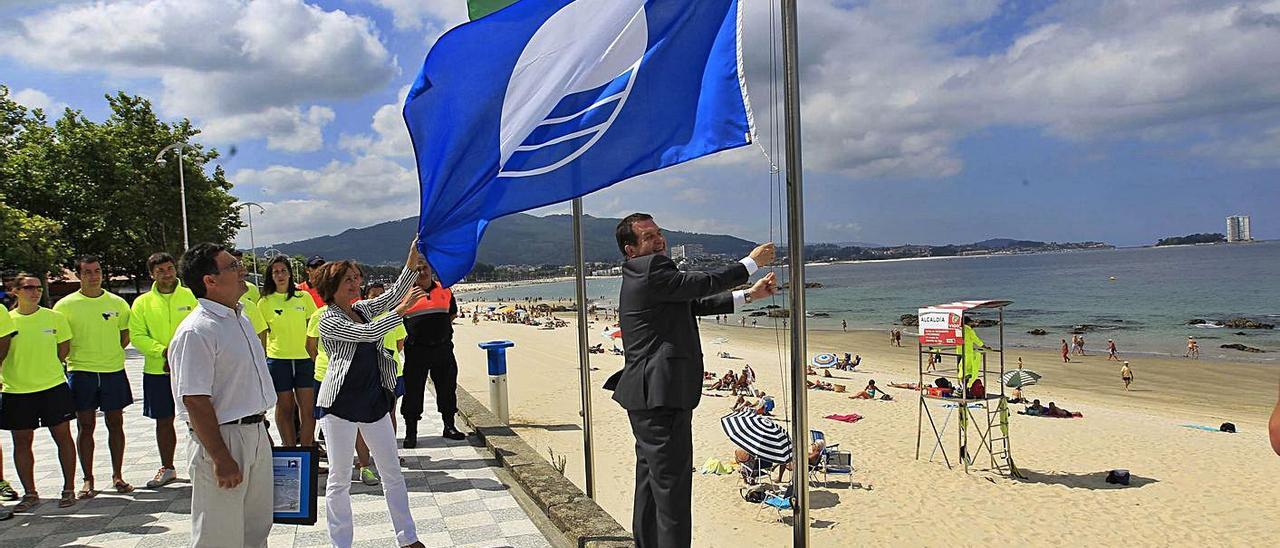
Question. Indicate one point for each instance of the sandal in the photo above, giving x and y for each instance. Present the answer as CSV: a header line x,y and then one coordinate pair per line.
x,y
29,501
87,491
68,499
122,486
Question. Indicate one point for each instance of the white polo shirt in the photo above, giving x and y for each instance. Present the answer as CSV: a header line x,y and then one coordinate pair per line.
x,y
216,353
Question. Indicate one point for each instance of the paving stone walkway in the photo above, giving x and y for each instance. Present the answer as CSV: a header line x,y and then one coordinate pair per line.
x,y
455,495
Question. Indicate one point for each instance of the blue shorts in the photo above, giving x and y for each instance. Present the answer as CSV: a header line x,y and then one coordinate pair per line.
x,y
317,412
105,391
288,375
399,386
157,397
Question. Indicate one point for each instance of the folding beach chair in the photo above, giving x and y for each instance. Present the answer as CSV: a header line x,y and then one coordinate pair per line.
x,y
779,499
830,460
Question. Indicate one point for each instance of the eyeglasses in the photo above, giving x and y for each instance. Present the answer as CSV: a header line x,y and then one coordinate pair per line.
x,y
233,265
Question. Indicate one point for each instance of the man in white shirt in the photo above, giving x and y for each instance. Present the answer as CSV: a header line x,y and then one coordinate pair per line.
x,y
222,390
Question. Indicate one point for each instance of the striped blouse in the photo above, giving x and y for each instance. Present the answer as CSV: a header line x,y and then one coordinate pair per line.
x,y
339,335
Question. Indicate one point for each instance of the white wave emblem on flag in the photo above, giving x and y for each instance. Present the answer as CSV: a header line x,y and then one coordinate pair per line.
x,y
587,45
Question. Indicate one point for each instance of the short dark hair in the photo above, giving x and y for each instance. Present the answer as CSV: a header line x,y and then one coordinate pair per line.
x,y
157,259
235,252
626,234
371,287
330,276
86,259
198,262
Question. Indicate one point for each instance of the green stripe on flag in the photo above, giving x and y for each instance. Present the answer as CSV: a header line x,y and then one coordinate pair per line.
x,y
480,8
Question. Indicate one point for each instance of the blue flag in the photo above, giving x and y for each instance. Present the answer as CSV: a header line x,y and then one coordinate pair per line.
x,y
548,100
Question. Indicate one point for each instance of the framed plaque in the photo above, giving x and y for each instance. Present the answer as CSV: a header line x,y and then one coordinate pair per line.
x,y
295,472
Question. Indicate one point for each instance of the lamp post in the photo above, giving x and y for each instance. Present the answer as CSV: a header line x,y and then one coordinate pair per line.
x,y
182,186
253,246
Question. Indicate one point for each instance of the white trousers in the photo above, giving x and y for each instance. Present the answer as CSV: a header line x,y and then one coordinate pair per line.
x,y
380,436
237,517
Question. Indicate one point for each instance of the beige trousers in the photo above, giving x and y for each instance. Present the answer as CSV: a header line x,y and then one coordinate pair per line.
x,y
237,517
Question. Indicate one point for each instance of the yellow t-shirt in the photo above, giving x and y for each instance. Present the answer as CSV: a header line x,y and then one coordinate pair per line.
x,y
96,323
389,341
251,293
255,316
6,323
32,364
313,332
287,320
152,321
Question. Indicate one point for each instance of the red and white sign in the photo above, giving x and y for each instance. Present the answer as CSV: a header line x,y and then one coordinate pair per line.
x,y
941,327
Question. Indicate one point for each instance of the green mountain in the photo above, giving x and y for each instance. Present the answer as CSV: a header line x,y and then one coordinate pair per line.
x,y
514,239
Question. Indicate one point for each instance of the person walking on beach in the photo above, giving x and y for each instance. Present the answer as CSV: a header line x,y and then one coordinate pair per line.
x,y
1126,375
1112,355
1066,353
1080,342
661,381
223,390
1193,348
844,325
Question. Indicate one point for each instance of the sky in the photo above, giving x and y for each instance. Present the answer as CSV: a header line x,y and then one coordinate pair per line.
x,y
923,121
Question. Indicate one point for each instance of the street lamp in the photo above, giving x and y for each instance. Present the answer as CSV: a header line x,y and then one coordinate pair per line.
x,y
253,247
182,186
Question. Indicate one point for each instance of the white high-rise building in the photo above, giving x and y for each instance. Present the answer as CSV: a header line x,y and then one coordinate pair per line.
x,y
1238,229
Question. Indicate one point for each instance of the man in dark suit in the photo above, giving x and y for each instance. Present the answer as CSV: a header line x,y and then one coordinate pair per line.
x,y
661,382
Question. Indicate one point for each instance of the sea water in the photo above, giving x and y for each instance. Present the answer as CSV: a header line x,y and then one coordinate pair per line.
x,y
1141,297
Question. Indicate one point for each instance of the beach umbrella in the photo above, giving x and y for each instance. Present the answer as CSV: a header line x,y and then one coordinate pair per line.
x,y
612,332
825,359
1019,378
758,435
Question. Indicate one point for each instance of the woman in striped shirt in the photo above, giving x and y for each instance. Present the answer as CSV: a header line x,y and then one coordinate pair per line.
x,y
357,394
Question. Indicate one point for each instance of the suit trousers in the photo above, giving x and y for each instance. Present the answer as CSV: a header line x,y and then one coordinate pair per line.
x,y
240,516
438,362
663,515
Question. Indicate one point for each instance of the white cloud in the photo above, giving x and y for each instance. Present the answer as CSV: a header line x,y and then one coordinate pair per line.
x,y
390,135
304,203
34,98
884,96
245,68
434,15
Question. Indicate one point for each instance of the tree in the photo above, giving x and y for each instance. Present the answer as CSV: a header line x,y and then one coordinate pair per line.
x,y
31,243
101,183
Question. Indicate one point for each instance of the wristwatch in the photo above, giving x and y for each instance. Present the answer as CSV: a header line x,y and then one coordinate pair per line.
x,y
748,297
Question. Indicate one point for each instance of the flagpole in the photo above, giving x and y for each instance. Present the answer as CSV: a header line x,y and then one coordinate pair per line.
x,y
584,357
795,252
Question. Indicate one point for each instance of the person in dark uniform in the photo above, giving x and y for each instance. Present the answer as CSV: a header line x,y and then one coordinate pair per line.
x,y
428,350
661,381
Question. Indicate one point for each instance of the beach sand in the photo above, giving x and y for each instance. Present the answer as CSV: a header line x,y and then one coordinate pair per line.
x,y
1188,486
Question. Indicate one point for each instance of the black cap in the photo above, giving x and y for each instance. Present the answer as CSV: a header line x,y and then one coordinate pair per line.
x,y
315,261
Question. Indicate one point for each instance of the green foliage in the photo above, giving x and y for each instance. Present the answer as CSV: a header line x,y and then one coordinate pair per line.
x,y
99,181
1192,239
31,243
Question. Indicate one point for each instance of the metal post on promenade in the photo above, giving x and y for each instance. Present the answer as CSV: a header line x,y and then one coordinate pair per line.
x,y
253,246
584,356
182,187
795,251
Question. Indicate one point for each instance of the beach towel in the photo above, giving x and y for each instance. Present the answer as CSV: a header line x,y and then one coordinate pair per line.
x,y
717,467
850,418
1205,428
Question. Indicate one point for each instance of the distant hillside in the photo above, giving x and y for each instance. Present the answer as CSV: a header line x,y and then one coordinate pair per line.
x,y
514,239
833,252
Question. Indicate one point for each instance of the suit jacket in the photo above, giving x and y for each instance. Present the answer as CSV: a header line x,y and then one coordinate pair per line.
x,y
656,311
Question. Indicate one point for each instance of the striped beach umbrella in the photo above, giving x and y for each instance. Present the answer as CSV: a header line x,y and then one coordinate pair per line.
x,y
758,435
825,360
1019,378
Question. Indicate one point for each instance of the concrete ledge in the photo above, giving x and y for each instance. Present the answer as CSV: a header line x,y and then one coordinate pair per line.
x,y
581,520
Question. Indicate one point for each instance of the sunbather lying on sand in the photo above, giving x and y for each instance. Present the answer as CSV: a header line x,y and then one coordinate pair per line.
x,y
906,385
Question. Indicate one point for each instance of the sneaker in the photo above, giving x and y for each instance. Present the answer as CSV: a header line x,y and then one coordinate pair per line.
x,y
7,492
164,477
368,476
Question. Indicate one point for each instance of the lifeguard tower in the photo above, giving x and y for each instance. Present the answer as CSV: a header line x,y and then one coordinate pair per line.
x,y
982,415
